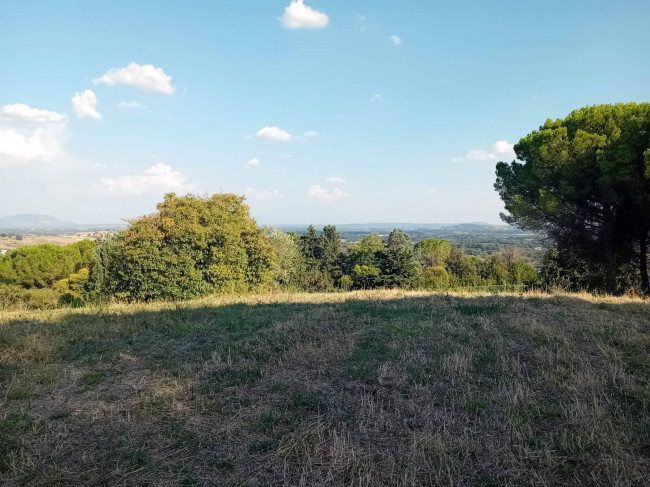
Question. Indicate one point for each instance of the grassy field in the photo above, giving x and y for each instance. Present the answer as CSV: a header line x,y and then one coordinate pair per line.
x,y
363,389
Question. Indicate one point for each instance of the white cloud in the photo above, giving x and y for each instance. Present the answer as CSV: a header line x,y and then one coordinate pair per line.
x,y
159,178
253,162
300,16
85,105
311,133
143,76
501,149
480,155
336,180
263,195
130,104
274,133
396,40
319,192
377,97
21,142
18,147
19,111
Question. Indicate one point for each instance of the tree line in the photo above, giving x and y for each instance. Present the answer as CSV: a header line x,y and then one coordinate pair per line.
x,y
194,246
583,182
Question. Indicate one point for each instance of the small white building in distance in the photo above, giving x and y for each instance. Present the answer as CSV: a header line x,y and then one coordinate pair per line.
x,y
3,251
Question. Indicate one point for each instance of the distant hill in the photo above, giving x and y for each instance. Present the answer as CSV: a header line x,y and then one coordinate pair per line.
x,y
32,222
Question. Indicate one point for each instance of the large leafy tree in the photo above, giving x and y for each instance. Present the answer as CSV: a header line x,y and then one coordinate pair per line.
x,y
190,246
585,182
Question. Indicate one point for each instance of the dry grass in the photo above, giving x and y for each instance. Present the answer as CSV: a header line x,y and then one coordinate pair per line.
x,y
363,389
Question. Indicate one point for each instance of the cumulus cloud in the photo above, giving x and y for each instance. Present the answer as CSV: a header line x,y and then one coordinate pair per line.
x,y
159,178
143,76
318,192
253,162
22,112
274,133
130,104
300,16
396,40
28,134
85,105
262,195
19,147
501,149
336,180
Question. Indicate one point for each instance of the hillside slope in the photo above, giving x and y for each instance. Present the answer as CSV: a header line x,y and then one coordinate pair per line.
x,y
366,389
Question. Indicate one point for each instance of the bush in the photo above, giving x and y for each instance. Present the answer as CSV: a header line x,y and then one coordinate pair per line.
x,y
435,278
346,282
12,297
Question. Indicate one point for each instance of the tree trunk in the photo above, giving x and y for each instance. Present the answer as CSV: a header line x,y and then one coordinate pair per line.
x,y
610,255
610,272
643,265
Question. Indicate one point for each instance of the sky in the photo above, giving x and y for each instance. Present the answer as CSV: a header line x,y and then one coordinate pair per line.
x,y
319,111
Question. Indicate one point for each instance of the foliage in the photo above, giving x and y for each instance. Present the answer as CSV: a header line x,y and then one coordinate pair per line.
x,y
346,282
433,252
366,276
290,269
41,266
191,246
12,296
584,181
435,278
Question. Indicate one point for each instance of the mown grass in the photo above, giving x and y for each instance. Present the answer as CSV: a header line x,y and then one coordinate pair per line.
x,y
364,389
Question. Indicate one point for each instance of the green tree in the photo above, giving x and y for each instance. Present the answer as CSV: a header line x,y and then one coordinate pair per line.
x,y
364,261
400,268
331,252
433,252
463,268
290,267
584,181
189,247
41,266
314,278
366,276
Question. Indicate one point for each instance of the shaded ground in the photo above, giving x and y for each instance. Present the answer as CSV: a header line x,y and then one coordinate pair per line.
x,y
364,389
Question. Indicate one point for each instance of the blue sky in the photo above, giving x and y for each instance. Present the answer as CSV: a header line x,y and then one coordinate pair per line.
x,y
397,111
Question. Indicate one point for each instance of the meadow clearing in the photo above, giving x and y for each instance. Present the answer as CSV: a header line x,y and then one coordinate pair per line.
x,y
364,388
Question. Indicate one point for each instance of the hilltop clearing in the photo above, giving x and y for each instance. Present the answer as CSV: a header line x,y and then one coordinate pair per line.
x,y
362,388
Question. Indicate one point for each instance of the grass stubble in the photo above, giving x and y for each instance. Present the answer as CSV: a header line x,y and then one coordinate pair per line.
x,y
364,389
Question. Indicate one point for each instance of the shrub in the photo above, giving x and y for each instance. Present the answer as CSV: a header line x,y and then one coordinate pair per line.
x,y
435,278
346,282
